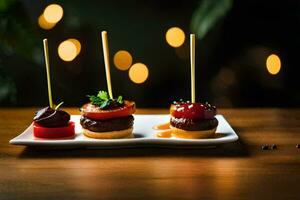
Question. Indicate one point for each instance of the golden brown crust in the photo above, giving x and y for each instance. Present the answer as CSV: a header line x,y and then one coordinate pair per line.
x,y
179,133
127,133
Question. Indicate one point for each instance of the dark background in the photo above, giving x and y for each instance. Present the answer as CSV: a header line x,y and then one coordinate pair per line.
x,y
230,56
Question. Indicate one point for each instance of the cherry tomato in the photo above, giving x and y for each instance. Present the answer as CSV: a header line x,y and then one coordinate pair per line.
x,y
94,112
193,111
56,132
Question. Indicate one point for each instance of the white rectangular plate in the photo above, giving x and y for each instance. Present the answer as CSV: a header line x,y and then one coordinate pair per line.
x,y
143,132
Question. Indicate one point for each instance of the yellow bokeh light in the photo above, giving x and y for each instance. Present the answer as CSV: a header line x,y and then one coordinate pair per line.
x,y
53,13
67,50
138,73
175,37
122,60
44,24
273,64
77,44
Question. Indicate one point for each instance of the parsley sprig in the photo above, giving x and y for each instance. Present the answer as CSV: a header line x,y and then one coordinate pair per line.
x,y
104,102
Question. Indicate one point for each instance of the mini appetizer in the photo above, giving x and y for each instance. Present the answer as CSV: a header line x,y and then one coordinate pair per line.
x,y
106,118
52,123
190,120
193,120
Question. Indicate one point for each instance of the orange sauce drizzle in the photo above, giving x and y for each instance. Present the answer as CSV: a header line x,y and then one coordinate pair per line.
x,y
163,126
164,130
164,134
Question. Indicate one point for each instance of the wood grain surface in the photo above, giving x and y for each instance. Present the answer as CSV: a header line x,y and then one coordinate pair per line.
x,y
239,170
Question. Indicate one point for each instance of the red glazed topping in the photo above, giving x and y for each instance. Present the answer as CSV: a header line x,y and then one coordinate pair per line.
x,y
193,110
94,112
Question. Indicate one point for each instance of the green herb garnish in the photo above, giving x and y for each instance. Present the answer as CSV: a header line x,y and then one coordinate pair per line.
x,y
57,107
104,102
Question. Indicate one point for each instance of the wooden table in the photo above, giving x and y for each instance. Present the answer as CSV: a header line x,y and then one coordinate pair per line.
x,y
239,170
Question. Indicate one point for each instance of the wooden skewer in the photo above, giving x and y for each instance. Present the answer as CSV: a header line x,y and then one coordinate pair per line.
x,y
106,62
192,52
46,53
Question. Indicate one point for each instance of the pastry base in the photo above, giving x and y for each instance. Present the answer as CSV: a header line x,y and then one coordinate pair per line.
x,y
126,133
179,133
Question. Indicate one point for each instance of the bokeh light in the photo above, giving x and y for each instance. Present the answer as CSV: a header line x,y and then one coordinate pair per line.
x,y
67,50
273,64
138,73
77,44
175,37
53,13
122,60
44,24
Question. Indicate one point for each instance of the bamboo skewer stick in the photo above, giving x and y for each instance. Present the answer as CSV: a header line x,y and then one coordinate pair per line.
x,y
46,53
192,55
106,62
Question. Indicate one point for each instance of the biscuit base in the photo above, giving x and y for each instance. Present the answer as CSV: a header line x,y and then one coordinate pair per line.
x,y
126,133
180,133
